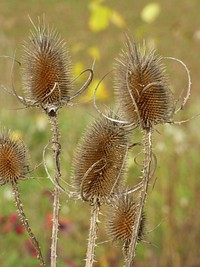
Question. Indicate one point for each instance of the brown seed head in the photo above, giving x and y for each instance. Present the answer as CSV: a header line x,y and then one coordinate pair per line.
x,y
13,159
141,86
121,219
99,161
46,67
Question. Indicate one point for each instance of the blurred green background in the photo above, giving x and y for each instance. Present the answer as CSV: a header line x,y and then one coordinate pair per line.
x,y
96,29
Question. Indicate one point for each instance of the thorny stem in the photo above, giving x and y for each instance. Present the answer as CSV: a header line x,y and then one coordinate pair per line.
x,y
26,223
145,181
57,175
92,234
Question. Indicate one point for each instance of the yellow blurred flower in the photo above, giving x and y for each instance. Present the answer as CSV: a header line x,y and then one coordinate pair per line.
x,y
150,12
101,94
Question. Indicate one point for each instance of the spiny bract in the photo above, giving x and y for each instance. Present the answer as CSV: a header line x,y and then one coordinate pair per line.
x,y
121,218
99,161
141,86
46,67
13,159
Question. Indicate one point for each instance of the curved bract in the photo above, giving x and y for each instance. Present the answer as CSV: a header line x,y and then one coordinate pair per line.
x,y
46,67
141,86
121,219
99,161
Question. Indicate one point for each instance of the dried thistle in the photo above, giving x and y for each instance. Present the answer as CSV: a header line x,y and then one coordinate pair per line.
x,y
13,159
14,167
143,96
46,71
48,85
121,219
141,86
46,67
99,161
98,169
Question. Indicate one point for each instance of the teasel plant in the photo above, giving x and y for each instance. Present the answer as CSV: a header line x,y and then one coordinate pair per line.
x,y
120,218
48,85
144,97
99,166
14,166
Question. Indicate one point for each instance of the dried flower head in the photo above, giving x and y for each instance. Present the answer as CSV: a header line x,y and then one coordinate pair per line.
x,y
121,219
141,86
99,161
46,67
13,159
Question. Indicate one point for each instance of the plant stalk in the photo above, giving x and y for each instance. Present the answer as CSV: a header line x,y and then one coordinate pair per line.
x,y
26,223
147,137
92,234
57,174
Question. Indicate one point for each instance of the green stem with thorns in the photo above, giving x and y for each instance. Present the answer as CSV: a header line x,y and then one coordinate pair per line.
x,y
26,223
147,136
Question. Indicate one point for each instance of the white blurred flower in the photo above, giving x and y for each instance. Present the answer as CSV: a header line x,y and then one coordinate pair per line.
x,y
41,123
8,194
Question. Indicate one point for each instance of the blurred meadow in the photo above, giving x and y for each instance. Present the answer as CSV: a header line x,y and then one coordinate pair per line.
x,y
95,29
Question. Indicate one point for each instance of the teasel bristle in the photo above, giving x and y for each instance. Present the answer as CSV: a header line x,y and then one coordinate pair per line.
x,y
13,158
121,219
99,162
141,86
46,67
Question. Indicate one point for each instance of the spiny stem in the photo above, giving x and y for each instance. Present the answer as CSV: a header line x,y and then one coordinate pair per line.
x,y
57,175
92,234
145,181
26,223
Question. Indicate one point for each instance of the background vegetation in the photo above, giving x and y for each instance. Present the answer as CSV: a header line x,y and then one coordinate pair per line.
x,y
95,29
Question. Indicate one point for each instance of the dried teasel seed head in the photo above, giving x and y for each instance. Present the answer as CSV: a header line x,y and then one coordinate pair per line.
x,y
121,219
13,158
46,67
99,162
141,86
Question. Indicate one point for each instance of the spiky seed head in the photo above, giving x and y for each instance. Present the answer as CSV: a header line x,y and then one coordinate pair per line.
x,y
13,158
46,67
121,219
99,161
141,86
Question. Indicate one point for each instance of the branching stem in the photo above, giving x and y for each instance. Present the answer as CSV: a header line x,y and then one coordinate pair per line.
x,y
145,181
26,223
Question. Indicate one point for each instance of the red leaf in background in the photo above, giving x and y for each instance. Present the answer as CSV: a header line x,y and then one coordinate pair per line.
x,y
13,218
48,220
12,223
65,224
71,263
29,247
19,229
